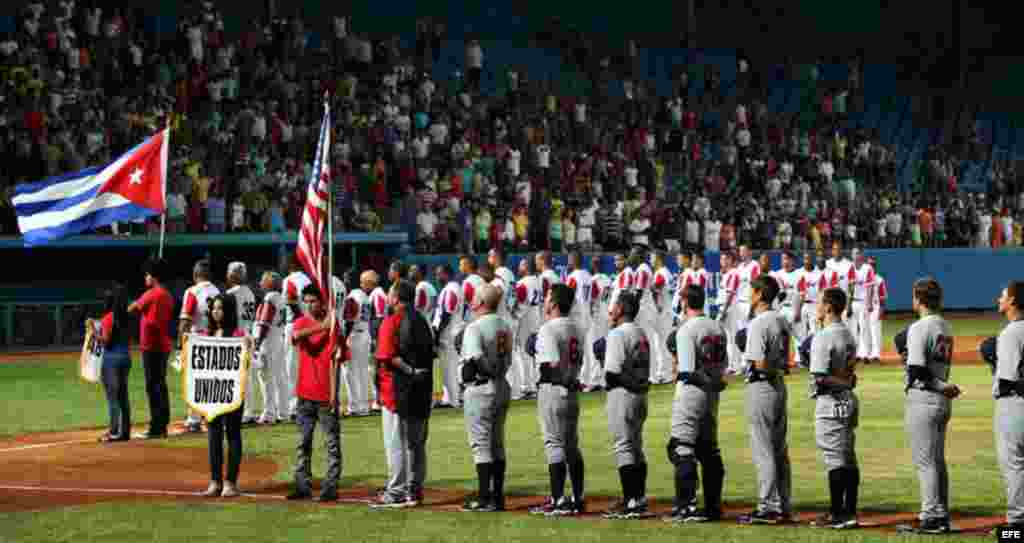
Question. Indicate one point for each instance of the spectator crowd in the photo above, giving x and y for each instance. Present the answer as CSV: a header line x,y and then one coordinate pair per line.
x,y
526,167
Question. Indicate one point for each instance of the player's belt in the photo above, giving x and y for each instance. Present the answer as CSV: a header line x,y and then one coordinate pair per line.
x,y
547,377
361,328
756,376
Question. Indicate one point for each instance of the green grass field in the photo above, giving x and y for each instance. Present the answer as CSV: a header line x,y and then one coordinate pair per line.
x,y
45,395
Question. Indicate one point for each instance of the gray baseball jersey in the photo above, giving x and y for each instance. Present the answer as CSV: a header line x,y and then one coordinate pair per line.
x,y
833,351
701,349
628,353
488,342
1008,417
927,413
559,345
765,399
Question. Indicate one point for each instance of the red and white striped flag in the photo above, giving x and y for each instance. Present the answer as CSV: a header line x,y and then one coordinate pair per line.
x,y
310,250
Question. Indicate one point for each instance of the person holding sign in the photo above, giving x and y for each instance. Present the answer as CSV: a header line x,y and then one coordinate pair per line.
x,y
222,317
114,337
317,402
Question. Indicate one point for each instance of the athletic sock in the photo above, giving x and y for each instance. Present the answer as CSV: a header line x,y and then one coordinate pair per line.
x,y
852,486
686,481
498,483
576,474
557,472
836,480
624,481
641,480
483,477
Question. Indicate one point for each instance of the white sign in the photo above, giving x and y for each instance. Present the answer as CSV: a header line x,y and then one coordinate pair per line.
x,y
91,361
215,370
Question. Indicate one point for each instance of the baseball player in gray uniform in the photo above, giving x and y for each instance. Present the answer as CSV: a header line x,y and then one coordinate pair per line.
x,y
627,366
486,354
833,360
765,357
929,395
559,353
700,346
1008,388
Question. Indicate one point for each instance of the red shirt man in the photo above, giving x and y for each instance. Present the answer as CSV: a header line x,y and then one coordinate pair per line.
x,y
310,334
157,308
387,350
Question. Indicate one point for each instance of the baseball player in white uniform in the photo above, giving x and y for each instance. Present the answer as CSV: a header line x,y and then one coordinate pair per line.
x,y
245,302
359,313
508,310
625,278
839,277
647,316
529,300
862,279
592,377
683,265
269,364
661,296
747,270
426,294
194,316
548,276
291,289
730,314
788,278
876,317
449,304
581,282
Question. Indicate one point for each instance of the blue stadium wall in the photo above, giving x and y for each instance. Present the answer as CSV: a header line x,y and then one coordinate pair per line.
x,y
971,278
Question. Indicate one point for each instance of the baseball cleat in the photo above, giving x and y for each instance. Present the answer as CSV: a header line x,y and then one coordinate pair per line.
x,y
690,514
545,508
934,526
835,522
616,511
389,501
565,508
761,517
637,508
478,504
193,427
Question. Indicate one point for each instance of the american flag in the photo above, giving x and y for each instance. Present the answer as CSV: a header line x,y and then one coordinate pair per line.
x,y
310,250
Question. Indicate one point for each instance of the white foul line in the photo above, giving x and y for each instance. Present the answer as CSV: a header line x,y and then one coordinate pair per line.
x,y
150,492
45,445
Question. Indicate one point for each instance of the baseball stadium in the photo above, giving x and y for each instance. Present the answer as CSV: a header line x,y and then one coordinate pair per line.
x,y
458,272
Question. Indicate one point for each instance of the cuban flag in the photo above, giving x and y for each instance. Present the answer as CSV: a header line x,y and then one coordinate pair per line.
x,y
130,188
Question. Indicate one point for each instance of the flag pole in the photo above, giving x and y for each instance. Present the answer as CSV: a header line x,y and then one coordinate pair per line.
x,y
336,374
163,216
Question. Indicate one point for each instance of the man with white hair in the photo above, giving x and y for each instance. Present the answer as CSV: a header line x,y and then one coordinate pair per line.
x,y
245,302
268,364
361,321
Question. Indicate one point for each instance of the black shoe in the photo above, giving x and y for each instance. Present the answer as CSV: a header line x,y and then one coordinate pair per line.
x,y
477,504
616,511
298,495
934,526
326,497
761,517
690,514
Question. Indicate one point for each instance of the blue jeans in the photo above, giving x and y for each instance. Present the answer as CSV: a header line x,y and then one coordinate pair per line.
x,y
116,366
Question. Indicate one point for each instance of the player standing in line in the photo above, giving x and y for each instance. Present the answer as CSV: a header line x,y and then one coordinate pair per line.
x,y
765,356
194,317
559,354
486,358
600,297
581,282
426,294
647,317
730,314
496,258
625,277
449,302
627,366
548,277
1008,389
678,285
269,348
809,288
929,353
862,287
788,278
699,276
359,314
876,317
379,303
661,295
747,270
700,347
840,268
245,304
836,409
291,288
530,298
